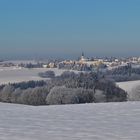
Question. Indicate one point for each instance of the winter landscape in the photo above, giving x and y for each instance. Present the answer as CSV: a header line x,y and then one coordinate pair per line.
x,y
100,121
69,70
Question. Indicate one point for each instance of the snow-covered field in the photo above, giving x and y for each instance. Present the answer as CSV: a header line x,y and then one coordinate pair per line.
x,y
13,74
127,86
131,87
103,121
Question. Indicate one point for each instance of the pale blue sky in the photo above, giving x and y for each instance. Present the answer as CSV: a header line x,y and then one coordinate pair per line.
x,y
64,28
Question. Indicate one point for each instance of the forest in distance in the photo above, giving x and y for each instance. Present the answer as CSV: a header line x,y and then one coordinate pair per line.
x,y
68,88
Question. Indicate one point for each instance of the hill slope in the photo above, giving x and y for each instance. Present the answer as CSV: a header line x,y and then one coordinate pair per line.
x,y
105,121
132,88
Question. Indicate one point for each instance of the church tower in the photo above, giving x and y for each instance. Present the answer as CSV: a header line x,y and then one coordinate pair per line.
x,y
82,56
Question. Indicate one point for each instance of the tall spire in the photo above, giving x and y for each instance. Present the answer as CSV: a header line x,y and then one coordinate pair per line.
x,y
82,57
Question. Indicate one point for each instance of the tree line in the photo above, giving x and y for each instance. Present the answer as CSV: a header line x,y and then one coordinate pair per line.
x,y
124,73
68,88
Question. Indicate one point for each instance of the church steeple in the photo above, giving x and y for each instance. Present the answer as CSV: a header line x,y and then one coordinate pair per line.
x,y
82,57
82,54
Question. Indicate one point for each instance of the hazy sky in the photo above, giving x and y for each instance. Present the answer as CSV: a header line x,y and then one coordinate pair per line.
x,y
65,28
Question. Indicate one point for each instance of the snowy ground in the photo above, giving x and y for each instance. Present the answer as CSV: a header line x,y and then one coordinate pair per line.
x,y
105,121
13,74
127,86
131,87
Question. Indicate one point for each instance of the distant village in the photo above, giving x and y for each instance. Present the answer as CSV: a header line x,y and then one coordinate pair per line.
x,y
94,64
81,64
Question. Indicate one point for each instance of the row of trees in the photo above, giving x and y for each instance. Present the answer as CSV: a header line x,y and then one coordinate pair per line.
x,y
47,74
30,96
69,88
124,73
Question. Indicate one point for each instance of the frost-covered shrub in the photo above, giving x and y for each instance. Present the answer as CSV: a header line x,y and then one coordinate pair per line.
x,y
15,96
67,74
99,96
6,93
36,96
63,95
47,74
111,91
